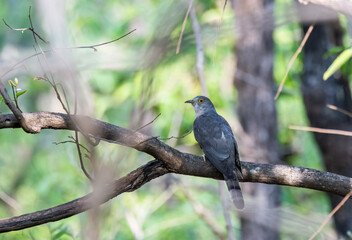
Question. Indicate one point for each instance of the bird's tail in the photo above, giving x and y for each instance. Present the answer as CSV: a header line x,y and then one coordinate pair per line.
x,y
235,192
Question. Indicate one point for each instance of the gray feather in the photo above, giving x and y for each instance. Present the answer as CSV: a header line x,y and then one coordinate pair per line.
x,y
235,193
215,137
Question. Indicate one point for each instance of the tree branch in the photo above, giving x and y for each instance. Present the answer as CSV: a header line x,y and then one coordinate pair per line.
x,y
129,183
169,160
343,6
17,112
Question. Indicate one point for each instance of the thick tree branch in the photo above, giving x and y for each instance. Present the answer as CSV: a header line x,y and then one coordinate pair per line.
x,y
129,183
170,160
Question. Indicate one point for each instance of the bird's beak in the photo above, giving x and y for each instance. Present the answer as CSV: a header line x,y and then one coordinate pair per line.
x,y
190,101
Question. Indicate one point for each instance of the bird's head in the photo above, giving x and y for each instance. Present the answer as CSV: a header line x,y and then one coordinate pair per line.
x,y
201,105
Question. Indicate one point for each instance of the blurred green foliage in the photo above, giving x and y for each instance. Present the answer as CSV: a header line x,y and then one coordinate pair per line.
x,y
39,174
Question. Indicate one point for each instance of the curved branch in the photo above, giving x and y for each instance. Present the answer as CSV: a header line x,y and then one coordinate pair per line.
x,y
17,112
129,183
170,160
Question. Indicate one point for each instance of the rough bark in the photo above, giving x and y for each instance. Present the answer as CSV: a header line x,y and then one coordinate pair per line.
x,y
169,160
256,106
335,91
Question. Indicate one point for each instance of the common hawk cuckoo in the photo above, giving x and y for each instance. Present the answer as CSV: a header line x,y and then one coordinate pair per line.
x,y
215,137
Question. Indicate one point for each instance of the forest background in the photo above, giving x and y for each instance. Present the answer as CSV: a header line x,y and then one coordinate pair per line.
x,y
131,81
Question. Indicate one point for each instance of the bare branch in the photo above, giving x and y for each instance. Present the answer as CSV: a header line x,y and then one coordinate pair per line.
x,y
10,201
322,130
292,60
129,183
138,129
339,110
17,112
225,206
26,29
200,52
218,31
173,137
343,201
184,163
104,43
183,27
204,214
170,161
72,141
58,49
76,140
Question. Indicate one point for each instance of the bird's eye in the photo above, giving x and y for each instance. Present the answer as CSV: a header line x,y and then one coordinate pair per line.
x,y
201,100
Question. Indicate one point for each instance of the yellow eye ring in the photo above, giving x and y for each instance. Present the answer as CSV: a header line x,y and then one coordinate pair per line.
x,y
201,100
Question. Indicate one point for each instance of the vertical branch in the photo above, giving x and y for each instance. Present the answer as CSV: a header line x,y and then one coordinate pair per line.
x,y
80,157
256,108
343,201
218,29
183,27
204,214
200,52
293,58
92,230
225,209
201,75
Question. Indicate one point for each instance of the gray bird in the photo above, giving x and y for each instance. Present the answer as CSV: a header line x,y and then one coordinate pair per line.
x,y
215,137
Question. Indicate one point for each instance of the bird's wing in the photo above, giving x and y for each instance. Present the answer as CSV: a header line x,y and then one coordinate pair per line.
x,y
237,159
212,137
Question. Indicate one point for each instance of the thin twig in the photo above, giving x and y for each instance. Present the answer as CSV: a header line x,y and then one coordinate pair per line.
x,y
226,212
331,214
183,27
10,201
305,38
339,110
172,137
24,29
218,29
58,96
63,142
15,29
322,130
204,214
14,93
16,112
104,43
50,50
52,82
148,123
35,35
80,157
162,139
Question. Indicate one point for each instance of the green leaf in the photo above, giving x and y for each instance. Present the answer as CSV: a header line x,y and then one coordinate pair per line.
x,y
334,51
20,93
1,99
339,61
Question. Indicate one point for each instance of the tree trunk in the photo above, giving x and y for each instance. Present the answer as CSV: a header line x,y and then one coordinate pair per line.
x,y
256,109
336,150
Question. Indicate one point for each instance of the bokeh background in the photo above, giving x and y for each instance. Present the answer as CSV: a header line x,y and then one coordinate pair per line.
x,y
128,83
